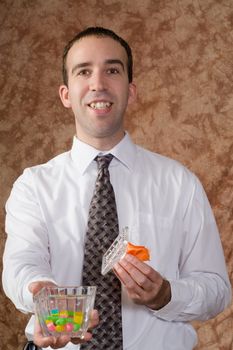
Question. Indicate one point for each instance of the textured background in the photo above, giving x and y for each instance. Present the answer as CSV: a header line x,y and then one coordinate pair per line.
x,y
183,68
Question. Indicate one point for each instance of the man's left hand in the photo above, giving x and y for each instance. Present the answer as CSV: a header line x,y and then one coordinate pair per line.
x,y
144,285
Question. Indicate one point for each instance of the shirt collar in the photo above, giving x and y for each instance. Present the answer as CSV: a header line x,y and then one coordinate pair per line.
x,y
83,154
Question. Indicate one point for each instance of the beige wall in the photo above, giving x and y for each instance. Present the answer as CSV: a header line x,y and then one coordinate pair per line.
x,y
183,68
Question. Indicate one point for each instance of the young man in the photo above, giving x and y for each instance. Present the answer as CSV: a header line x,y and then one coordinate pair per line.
x,y
161,202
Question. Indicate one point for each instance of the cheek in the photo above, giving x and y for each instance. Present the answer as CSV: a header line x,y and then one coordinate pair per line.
x,y
123,93
77,90
76,94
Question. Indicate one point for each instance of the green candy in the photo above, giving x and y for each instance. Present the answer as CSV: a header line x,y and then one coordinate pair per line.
x,y
76,327
52,318
49,317
61,321
69,320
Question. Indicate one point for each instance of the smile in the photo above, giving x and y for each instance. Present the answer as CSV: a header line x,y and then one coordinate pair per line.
x,y
100,105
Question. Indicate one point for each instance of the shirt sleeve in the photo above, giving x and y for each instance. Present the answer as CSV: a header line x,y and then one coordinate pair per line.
x,y
203,289
26,256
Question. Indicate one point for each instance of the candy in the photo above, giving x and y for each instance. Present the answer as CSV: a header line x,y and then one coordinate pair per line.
x,y
49,317
54,312
139,251
61,322
52,318
64,322
59,328
76,327
51,327
69,327
119,248
78,317
63,313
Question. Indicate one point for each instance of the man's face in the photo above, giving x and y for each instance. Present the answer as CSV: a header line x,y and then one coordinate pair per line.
x,y
98,89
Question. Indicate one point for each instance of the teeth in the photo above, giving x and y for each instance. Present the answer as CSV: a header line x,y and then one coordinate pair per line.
x,y
100,105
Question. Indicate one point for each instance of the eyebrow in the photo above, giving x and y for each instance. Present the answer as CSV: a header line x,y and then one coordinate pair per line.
x,y
115,61
87,64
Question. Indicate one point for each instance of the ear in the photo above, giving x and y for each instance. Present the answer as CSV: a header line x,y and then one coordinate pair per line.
x,y
64,96
132,93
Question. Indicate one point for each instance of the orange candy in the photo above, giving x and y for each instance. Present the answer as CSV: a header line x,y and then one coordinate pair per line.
x,y
139,251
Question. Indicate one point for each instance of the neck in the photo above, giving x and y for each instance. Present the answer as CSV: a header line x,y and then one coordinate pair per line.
x,y
102,143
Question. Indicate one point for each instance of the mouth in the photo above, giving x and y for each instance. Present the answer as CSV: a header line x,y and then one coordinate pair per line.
x,y
100,105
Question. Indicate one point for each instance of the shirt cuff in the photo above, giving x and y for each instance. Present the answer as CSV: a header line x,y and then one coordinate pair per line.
x,y
181,297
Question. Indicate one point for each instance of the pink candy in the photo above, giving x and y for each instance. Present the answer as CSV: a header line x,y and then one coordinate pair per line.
x,y
69,327
51,326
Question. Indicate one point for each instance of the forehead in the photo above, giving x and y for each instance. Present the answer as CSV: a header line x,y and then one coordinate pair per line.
x,y
95,50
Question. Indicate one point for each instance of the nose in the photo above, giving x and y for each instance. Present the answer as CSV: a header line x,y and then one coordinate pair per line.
x,y
97,82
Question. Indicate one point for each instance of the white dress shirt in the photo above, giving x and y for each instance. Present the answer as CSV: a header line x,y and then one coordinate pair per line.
x,y
166,210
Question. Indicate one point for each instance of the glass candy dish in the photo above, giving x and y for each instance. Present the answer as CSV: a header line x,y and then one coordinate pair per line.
x,y
65,310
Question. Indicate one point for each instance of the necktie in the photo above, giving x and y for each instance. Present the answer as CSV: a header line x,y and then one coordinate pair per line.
x,y
101,231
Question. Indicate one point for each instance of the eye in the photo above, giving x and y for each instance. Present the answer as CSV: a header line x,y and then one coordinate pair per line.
x,y
84,72
113,70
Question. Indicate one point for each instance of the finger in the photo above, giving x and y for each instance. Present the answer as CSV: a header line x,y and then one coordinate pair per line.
x,y
144,268
132,273
145,294
126,278
140,265
140,280
45,341
35,287
86,338
135,292
94,321
60,342
53,342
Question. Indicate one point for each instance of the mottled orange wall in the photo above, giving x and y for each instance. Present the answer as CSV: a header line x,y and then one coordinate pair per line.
x,y
184,71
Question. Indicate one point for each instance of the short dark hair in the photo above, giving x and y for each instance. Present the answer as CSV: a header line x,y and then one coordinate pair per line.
x,y
99,32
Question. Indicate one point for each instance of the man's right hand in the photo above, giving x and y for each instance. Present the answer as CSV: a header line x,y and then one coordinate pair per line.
x,y
57,342
35,287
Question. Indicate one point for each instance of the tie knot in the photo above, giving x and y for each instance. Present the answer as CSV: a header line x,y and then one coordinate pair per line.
x,y
104,161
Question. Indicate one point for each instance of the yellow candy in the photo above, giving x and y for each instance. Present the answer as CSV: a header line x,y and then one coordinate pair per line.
x,y
78,317
63,313
59,328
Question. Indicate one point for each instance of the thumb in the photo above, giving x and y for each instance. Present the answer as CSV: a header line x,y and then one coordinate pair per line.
x,y
35,287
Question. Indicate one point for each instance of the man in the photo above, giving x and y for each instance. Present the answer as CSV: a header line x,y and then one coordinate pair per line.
x,y
161,202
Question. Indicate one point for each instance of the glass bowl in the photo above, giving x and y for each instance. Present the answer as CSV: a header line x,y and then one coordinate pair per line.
x,y
65,310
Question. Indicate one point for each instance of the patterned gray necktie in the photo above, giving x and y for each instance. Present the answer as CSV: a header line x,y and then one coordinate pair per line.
x,y
101,232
